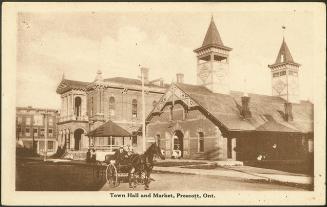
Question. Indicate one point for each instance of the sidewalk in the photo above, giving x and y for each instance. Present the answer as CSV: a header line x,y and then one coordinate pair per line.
x,y
246,173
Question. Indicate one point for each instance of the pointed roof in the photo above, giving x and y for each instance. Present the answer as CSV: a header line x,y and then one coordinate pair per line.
x,y
284,55
109,129
212,36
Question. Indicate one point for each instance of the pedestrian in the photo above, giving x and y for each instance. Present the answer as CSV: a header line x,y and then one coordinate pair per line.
x,y
93,155
88,155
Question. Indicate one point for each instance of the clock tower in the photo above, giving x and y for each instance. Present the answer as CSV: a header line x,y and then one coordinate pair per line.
x,y
213,62
285,75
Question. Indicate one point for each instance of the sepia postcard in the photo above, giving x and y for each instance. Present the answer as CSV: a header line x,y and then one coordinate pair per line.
x,y
163,103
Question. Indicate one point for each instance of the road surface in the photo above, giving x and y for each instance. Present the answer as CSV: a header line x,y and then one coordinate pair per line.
x,y
181,182
40,176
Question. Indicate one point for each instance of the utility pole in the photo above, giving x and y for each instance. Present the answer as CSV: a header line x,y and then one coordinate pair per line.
x,y
143,112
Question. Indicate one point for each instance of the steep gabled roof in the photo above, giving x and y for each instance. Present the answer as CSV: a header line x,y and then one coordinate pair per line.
x,y
266,111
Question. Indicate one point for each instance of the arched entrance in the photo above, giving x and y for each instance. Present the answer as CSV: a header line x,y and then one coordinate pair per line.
x,y
178,141
77,138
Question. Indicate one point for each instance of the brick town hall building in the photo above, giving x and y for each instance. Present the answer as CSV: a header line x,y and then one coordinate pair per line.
x,y
203,121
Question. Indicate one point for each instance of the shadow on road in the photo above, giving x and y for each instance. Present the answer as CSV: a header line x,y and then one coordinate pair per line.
x,y
43,176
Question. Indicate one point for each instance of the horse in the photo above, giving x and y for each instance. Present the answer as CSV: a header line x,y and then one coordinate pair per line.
x,y
143,164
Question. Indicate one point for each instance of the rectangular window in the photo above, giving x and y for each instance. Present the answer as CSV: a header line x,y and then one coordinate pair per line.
x,y
282,73
275,75
35,132
28,120
201,142
27,132
134,108
19,120
50,146
50,132
42,132
134,140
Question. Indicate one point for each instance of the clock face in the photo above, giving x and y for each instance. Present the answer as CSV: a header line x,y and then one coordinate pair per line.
x,y
279,86
204,73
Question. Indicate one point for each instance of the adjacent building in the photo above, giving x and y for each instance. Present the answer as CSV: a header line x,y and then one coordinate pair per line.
x,y
31,125
87,105
210,121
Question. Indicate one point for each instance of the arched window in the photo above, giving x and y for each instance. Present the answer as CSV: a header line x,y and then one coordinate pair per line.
x,y
78,104
134,108
201,142
111,106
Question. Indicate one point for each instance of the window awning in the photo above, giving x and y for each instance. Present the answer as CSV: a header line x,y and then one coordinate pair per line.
x,y
109,129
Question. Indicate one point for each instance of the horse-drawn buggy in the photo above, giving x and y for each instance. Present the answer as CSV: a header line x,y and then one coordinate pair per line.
x,y
123,166
127,167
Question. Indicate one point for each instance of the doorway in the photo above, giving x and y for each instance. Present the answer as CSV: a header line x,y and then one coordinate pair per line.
x,y
178,141
77,138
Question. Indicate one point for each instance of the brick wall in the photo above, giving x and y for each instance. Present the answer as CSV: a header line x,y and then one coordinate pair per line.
x,y
215,146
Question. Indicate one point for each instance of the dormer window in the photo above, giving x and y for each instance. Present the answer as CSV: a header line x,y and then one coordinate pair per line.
x,y
282,58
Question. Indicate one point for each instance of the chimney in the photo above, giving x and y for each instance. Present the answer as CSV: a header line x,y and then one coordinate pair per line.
x,y
145,73
180,77
246,113
288,111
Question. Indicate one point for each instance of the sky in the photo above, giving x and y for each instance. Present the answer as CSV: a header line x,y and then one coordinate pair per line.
x,y
79,43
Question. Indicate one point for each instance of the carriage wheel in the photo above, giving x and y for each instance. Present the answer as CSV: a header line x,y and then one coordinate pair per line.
x,y
112,176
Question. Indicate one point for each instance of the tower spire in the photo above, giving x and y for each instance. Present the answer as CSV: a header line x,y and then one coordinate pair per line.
x,y
213,61
284,72
212,36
